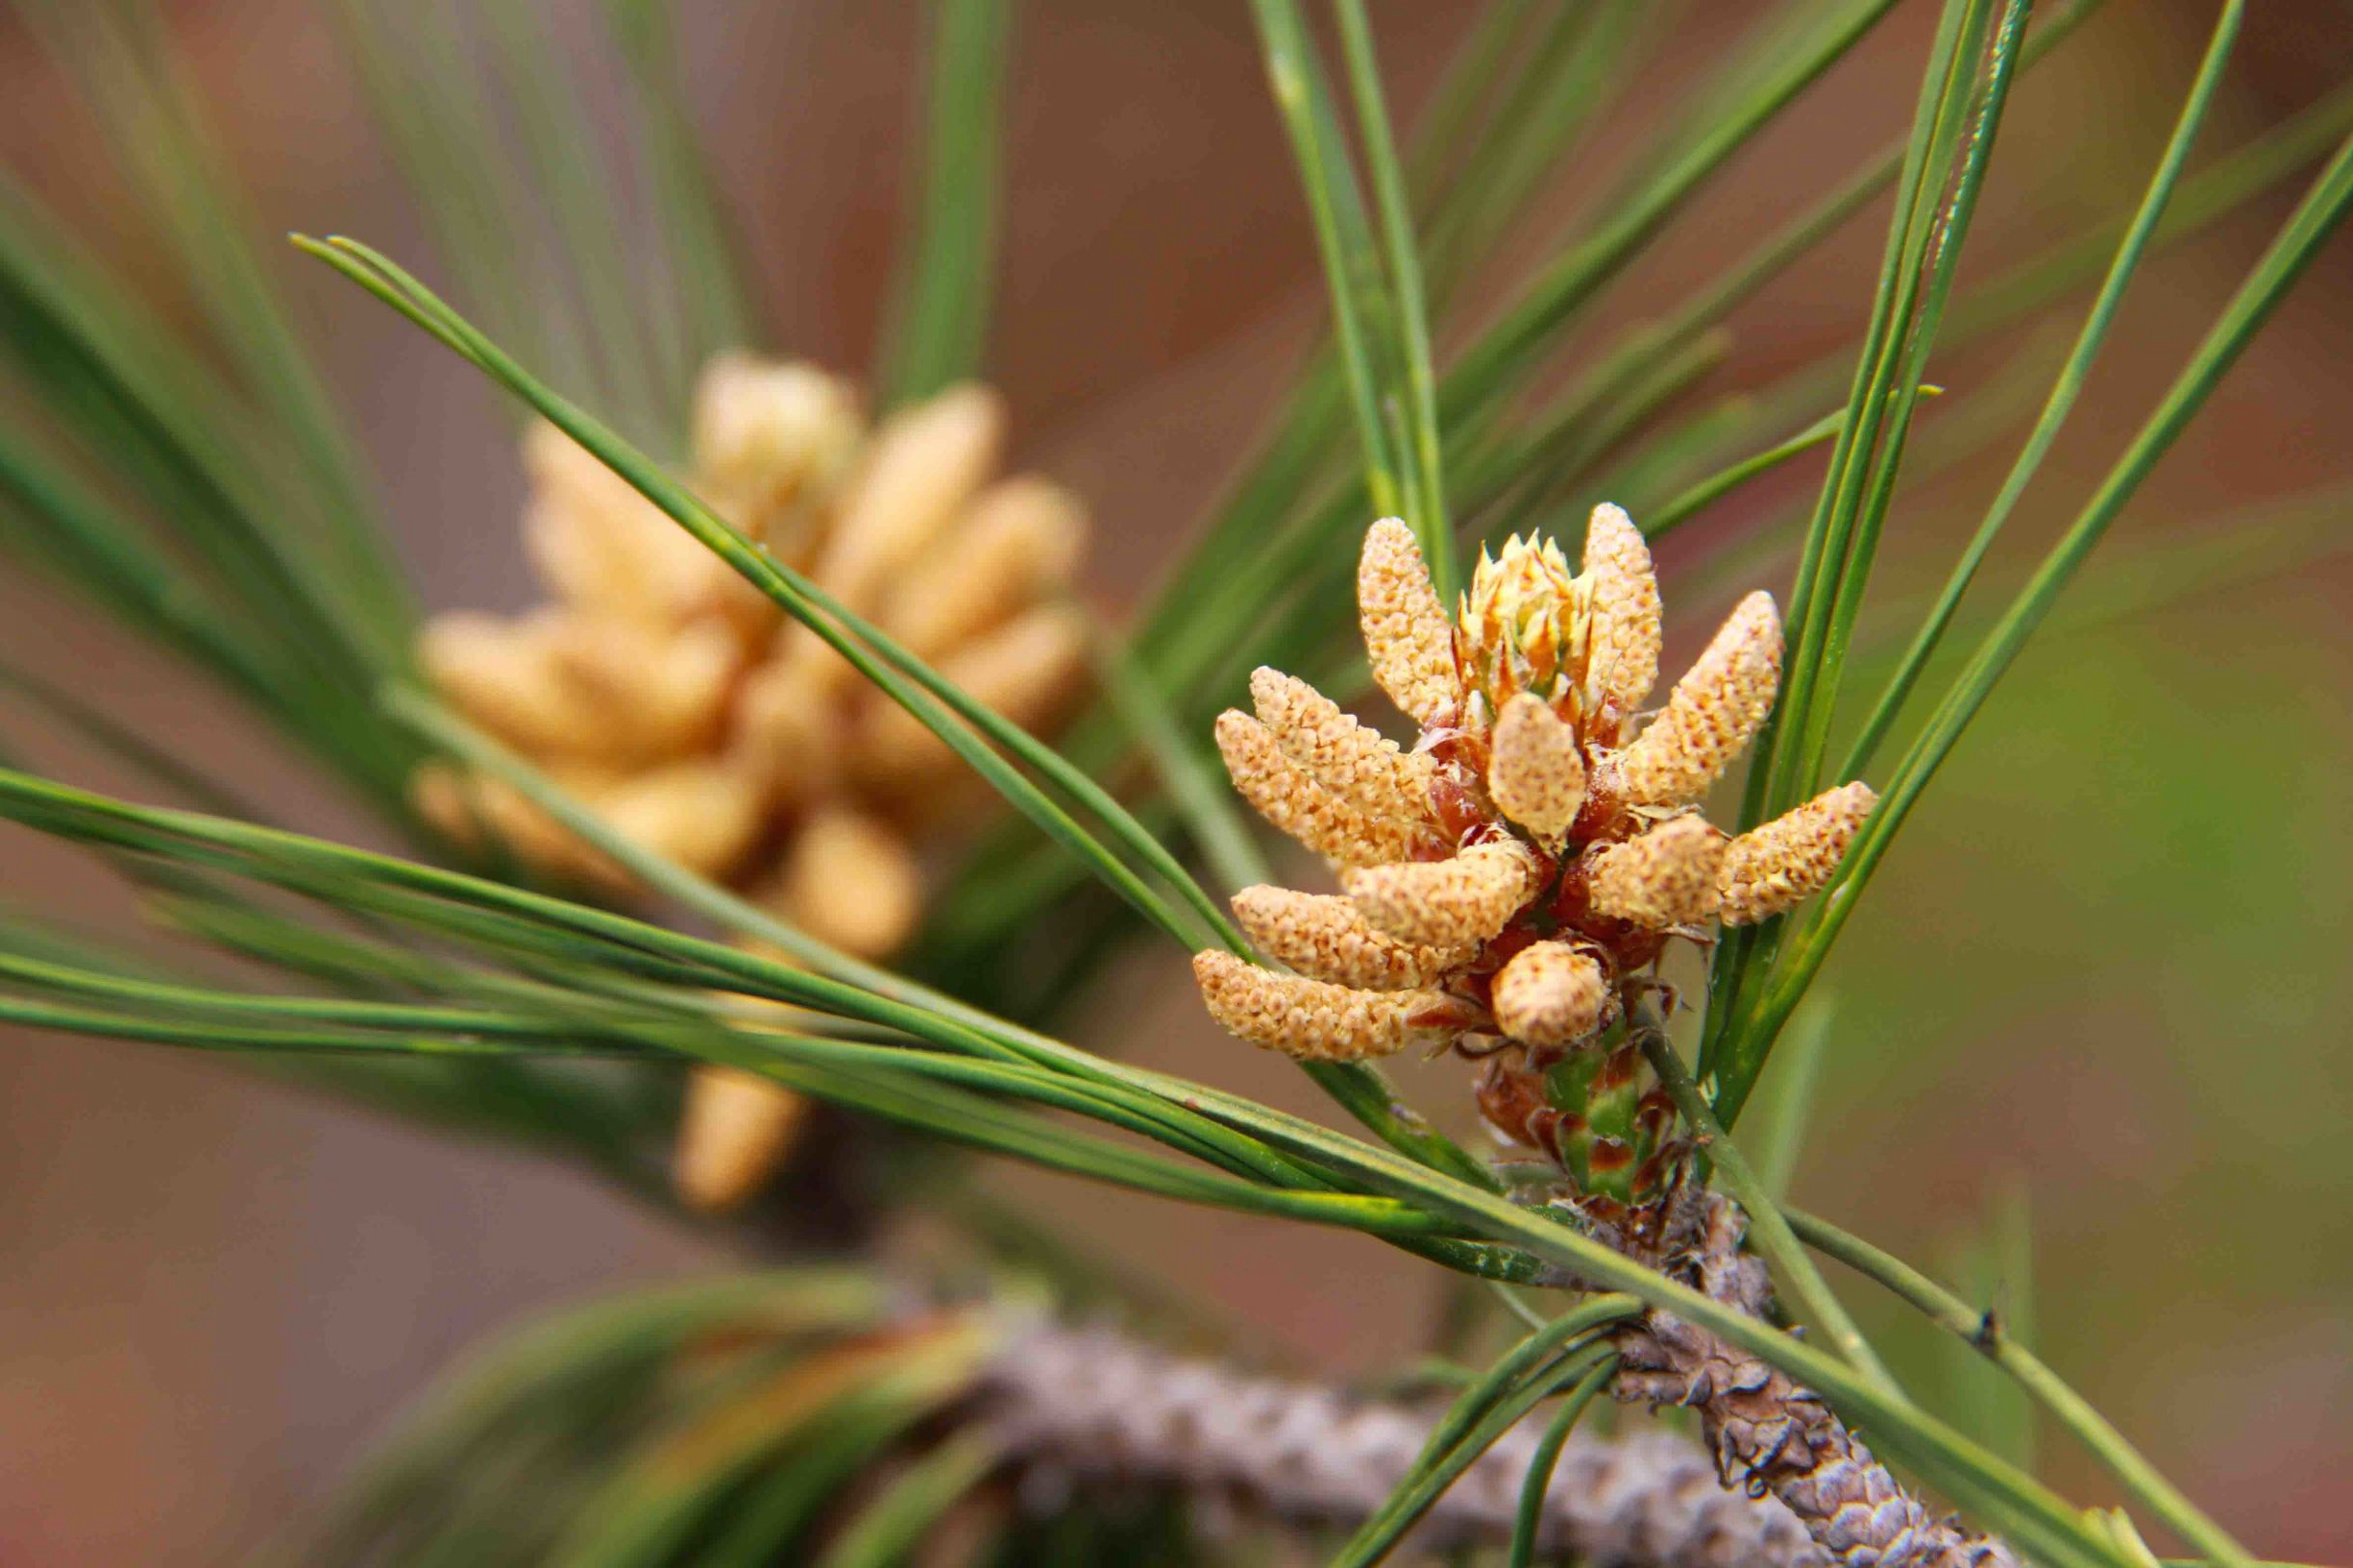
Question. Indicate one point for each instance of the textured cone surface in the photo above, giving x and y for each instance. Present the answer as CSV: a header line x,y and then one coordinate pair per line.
x,y
1316,1021
1447,903
1715,708
1667,877
1773,1436
1776,866
1627,618
1405,630
1327,938
1535,772
1357,765
1551,995
1279,791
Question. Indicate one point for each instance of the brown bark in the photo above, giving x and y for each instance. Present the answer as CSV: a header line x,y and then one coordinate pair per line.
x,y
1769,1436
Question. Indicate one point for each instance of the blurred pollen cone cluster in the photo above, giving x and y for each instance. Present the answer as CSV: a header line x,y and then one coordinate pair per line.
x,y
670,696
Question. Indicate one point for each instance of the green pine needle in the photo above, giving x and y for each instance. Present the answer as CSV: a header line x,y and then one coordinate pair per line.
x,y
938,323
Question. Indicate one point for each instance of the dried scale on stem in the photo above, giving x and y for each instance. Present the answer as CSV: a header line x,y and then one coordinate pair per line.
x,y
1509,884
670,696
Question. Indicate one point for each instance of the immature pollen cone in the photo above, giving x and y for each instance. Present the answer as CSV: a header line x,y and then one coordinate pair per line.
x,y
1507,880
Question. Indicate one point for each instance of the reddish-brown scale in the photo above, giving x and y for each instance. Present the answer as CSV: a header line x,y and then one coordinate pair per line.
x,y
1607,1156
1503,948
1603,725
1600,819
1637,949
1456,747
1477,985
1617,1069
1571,897
1458,812
1513,1103
1444,1017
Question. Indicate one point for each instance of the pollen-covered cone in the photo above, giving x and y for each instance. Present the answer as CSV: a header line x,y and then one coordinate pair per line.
x,y
1511,879
1779,865
848,880
676,702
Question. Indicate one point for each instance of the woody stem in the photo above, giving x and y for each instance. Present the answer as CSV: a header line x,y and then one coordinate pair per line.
x,y
1791,1262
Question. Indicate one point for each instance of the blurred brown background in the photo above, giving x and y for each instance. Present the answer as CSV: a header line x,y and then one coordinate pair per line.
x,y
2108,964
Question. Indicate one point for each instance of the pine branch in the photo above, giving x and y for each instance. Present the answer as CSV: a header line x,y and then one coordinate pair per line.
x,y
1092,1405
1768,1434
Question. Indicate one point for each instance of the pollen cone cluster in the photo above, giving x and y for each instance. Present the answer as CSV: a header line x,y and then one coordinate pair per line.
x,y
667,694
1507,880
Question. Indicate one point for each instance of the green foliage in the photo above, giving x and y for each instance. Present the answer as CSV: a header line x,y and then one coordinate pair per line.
x,y
948,1086
1747,1009
208,496
937,328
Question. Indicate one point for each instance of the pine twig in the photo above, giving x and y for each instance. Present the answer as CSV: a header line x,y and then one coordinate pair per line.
x,y
1092,1405
1768,1434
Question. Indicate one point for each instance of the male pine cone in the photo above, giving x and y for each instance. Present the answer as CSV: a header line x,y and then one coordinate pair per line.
x,y
668,696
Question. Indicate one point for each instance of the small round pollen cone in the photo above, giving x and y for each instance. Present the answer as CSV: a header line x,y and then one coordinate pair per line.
x,y
1551,995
